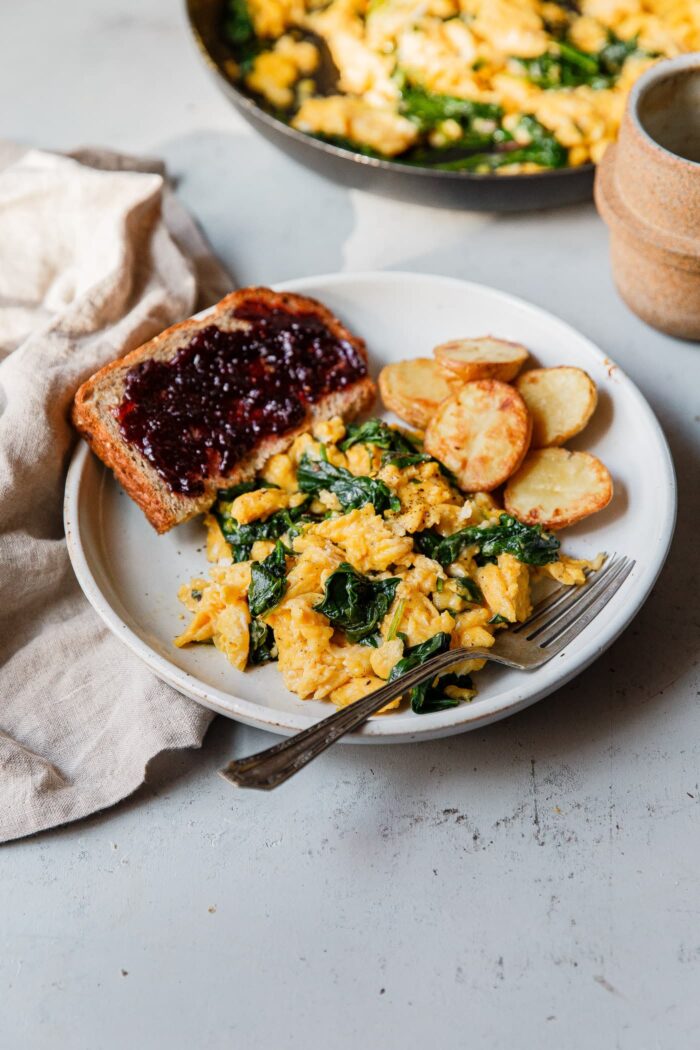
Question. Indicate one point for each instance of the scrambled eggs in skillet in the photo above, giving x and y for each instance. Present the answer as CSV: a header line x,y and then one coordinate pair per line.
x,y
473,85
354,556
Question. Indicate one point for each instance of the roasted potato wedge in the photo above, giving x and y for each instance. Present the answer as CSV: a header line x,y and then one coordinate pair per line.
x,y
560,400
414,389
481,434
482,358
555,488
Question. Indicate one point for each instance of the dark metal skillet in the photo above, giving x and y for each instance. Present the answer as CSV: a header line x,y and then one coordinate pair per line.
x,y
446,189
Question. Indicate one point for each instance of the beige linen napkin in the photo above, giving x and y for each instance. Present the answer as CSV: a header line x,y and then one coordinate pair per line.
x,y
92,263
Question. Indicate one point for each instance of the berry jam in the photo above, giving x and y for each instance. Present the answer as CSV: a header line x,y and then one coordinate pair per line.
x,y
199,413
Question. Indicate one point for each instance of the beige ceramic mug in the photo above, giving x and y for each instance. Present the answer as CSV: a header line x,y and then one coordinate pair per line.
x,y
647,190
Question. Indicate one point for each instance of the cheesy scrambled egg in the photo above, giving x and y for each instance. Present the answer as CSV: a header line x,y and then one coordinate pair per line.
x,y
290,535
480,85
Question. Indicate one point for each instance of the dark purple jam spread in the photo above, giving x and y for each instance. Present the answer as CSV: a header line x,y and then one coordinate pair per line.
x,y
197,414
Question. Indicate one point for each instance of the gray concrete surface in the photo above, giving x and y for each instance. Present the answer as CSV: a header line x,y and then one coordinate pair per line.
x,y
533,885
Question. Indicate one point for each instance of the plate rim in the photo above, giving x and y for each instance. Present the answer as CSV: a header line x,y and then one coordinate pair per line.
x,y
454,720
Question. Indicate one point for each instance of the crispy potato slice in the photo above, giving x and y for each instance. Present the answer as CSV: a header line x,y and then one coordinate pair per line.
x,y
482,358
555,488
481,434
561,401
414,389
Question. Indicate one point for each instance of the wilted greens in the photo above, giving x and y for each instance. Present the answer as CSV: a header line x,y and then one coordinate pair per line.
x,y
397,449
240,31
414,656
242,537
434,696
268,581
428,109
568,66
262,648
376,432
353,492
431,695
447,132
254,485
543,148
470,589
355,603
527,543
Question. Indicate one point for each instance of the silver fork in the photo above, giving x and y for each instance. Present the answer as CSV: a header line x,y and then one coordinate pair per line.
x,y
555,621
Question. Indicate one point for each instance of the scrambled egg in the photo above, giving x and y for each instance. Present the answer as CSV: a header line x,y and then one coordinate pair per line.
x,y
565,67
465,600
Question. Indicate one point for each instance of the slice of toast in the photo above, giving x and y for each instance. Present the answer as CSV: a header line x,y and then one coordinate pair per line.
x,y
144,420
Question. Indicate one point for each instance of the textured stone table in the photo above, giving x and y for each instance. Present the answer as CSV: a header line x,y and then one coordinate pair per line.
x,y
532,885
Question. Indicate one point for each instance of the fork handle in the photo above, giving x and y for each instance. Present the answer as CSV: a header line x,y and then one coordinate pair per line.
x,y
269,768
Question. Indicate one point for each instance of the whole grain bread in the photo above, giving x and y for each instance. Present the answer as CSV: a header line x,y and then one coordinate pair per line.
x,y
98,399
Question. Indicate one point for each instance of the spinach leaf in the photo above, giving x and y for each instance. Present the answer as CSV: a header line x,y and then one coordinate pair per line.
x,y
241,538
230,494
527,543
372,640
268,581
413,459
443,549
568,66
418,654
405,459
549,154
543,149
399,450
613,56
470,589
376,432
240,32
498,618
355,603
262,646
352,492
470,142
432,694
238,24
413,657
427,109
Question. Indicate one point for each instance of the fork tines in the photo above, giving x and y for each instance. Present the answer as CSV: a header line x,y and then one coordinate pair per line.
x,y
563,615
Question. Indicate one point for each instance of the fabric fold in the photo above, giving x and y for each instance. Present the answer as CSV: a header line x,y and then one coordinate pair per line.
x,y
96,256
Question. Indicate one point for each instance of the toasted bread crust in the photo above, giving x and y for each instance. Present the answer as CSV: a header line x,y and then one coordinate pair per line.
x,y
92,409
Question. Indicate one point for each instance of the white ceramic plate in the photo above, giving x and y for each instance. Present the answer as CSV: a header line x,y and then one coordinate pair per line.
x,y
131,575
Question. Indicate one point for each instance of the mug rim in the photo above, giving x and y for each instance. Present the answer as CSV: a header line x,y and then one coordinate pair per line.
x,y
663,70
